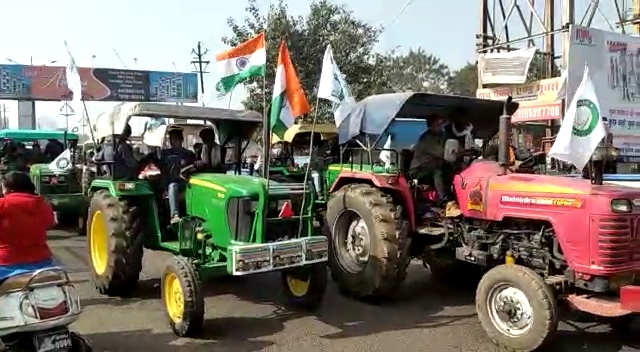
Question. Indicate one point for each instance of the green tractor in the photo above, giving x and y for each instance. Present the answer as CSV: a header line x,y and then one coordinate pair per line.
x,y
231,223
57,180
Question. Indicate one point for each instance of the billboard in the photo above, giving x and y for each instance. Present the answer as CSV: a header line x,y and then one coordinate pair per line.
x,y
48,83
537,99
614,67
505,68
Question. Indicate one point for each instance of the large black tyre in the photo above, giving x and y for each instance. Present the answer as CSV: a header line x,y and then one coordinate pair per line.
x,y
305,286
516,282
115,240
182,297
385,268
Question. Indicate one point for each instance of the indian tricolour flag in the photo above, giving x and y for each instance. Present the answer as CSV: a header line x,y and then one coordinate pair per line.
x,y
240,63
289,100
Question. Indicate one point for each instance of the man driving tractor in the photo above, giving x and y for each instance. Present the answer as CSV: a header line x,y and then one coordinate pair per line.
x,y
174,159
428,162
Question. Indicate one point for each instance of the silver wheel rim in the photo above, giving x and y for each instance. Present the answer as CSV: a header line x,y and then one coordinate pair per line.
x,y
510,310
357,242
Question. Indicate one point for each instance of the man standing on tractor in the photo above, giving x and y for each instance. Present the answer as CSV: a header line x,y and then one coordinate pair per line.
x,y
428,162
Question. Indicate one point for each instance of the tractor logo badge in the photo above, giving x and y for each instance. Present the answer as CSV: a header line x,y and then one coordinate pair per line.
x,y
587,118
475,200
62,163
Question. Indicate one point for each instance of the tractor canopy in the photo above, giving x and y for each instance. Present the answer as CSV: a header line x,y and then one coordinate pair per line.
x,y
303,132
372,118
154,115
26,136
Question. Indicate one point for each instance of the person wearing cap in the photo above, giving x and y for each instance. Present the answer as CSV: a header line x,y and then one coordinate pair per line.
x,y
428,162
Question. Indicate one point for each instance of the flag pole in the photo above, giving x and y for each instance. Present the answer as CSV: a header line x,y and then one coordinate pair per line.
x,y
230,97
266,128
308,168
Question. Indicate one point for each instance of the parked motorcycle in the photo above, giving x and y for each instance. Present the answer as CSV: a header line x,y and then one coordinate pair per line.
x,y
36,309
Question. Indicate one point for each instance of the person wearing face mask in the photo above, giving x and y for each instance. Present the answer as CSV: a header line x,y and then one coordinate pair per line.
x,y
428,162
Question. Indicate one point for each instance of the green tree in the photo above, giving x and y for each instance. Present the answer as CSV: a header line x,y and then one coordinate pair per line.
x,y
464,81
307,37
415,71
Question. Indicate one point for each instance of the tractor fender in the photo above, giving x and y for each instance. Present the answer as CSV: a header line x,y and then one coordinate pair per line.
x,y
395,185
137,188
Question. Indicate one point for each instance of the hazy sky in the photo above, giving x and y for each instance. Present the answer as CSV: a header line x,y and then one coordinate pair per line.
x,y
160,33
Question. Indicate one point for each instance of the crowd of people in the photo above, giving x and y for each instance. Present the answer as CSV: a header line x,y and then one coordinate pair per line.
x,y
16,156
176,163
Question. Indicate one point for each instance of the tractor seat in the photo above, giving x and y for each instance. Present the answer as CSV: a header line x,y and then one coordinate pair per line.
x,y
19,281
405,160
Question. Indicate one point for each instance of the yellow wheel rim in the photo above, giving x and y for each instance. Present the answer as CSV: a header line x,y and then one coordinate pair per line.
x,y
173,298
298,288
99,243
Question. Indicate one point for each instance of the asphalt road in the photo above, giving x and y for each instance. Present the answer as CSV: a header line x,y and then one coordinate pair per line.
x,y
247,314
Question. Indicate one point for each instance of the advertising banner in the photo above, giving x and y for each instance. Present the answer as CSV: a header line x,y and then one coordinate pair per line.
x,y
537,99
614,66
48,83
506,67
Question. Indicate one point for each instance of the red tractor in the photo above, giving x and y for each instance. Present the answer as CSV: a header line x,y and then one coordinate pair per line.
x,y
534,241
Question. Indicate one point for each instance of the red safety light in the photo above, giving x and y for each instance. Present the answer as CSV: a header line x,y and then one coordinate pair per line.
x,y
286,211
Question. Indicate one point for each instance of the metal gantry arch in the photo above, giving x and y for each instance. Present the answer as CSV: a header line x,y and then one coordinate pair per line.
x,y
507,25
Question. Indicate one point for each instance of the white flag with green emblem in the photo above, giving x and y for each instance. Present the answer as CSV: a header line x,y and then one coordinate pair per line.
x,y
582,128
334,87
62,162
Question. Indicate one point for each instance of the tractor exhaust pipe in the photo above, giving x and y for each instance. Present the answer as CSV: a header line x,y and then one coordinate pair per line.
x,y
504,137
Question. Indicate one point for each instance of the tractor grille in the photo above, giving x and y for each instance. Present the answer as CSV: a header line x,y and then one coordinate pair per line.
x,y
283,230
618,241
60,184
276,202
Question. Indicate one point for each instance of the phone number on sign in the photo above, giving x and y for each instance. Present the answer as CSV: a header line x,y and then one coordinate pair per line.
x,y
556,202
538,112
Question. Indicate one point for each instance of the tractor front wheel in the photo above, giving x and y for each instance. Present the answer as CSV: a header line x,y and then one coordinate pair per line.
x,y
182,297
516,308
369,244
115,229
305,286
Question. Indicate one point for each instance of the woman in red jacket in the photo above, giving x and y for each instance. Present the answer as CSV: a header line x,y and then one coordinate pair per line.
x,y
25,218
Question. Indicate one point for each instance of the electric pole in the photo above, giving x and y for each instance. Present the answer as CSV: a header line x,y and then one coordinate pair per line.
x,y
200,64
66,110
4,121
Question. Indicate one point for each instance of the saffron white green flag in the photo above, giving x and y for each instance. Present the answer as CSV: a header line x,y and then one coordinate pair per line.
x,y
289,100
240,63
62,162
334,87
582,128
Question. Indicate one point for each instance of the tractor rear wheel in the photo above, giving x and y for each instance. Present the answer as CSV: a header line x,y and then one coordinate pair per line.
x,y
369,244
115,240
516,308
182,297
305,286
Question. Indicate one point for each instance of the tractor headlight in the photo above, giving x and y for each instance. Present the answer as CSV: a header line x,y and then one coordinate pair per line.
x,y
621,206
126,186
